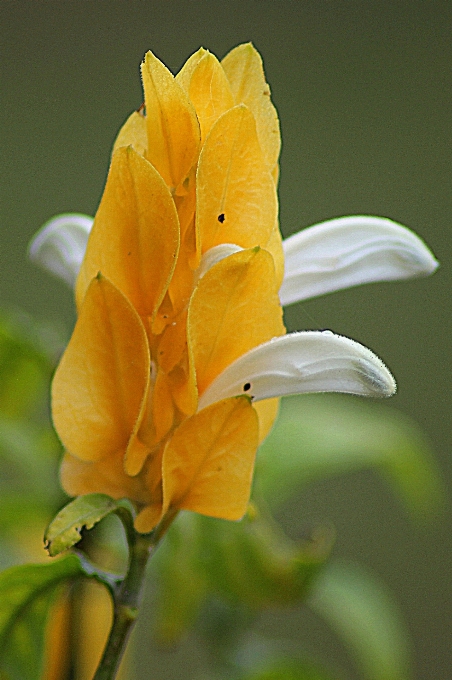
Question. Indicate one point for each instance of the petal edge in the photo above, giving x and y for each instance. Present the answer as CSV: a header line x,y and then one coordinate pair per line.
x,y
349,251
309,361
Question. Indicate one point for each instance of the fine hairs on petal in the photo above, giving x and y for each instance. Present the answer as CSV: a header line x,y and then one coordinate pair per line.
x,y
310,361
349,251
60,245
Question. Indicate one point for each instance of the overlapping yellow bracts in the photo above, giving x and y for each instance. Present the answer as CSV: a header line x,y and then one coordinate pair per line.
x,y
100,388
207,86
195,170
135,238
222,314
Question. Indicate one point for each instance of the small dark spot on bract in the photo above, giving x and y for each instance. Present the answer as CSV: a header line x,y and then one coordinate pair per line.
x,y
221,218
246,387
129,253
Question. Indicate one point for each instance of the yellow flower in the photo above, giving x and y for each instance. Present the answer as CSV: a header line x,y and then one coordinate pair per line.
x,y
195,172
167,385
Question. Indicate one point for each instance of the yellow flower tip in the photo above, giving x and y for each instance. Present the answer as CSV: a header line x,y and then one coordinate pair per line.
x,y
184,75
173,134
208,89
244,70
148,518
136,454
133,133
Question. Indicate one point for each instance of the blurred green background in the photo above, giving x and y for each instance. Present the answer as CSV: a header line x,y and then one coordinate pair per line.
x,y
364,95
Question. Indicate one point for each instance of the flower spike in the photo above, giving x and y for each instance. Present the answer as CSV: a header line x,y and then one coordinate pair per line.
x,y
349,251
172,376
310,361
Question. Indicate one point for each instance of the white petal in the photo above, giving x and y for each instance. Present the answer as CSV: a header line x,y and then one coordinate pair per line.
x,y
59,246
214,255
310,361
348,251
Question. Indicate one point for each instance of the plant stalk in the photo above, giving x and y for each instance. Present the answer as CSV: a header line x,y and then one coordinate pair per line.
x,y
127,597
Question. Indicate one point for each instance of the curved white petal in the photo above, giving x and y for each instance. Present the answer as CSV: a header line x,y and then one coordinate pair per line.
x,y
215,255
310,361
59,246
348,251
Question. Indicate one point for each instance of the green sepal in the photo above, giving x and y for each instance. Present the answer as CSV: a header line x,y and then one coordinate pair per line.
x,y
359,608
318,436
26,595
64,531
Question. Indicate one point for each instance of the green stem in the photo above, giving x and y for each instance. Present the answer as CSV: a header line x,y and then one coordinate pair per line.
x,y
127,597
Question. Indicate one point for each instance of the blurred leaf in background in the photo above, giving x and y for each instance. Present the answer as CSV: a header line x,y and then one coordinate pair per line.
x,y
29,449
27,592
366,618
214,576
318,436
252,566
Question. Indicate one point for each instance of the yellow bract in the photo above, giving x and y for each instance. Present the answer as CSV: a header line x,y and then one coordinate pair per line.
x,y
244,70
236,196
234,308
172,126
101,384
208,463
194,169
135,237
209,91
133,133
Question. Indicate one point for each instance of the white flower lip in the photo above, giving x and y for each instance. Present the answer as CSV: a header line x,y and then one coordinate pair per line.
x,y
215,255
59,246
309,361
335,254
349,251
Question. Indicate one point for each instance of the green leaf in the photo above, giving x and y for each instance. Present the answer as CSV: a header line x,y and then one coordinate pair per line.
x,y
25,362
248,564
84,512
28,457
289,670
317,436
26,594
29,449
253,563
363,614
